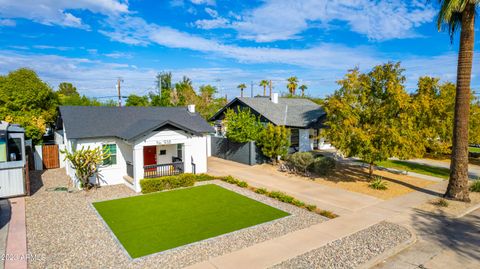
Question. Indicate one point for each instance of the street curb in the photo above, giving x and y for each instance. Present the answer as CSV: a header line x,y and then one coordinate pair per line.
x,y
391,252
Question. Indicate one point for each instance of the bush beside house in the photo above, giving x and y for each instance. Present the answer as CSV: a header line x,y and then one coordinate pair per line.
x,y
305,163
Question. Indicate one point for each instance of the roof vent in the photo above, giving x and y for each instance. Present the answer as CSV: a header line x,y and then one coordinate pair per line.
x,y
191,108
274,98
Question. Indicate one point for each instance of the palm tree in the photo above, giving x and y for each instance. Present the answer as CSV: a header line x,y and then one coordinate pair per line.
x,y
241,87
264,84
292,84
455,14
303,88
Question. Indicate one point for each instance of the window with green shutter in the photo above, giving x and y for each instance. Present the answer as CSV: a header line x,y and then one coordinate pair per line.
x,y
110,149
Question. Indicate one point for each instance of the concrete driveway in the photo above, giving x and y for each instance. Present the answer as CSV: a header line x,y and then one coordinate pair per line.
x,y
337,200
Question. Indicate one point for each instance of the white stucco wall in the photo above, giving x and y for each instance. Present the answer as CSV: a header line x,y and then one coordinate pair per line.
x,y
108,174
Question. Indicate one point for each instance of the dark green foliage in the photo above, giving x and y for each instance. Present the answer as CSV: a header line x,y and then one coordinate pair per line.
x,y
204,177
322,165
242,184
475,187
136,100
165,183
242,126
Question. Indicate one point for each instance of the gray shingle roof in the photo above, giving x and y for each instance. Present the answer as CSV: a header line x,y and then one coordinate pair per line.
x,y
292,112
127,122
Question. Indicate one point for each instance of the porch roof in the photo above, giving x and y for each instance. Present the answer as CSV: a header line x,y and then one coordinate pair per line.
x,y
127,122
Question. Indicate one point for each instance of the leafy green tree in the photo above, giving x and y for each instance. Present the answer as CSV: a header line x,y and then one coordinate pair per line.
x,y
474,130
460,15
370,116
242,126
292,85
207,92
274,141
164,87
77,100
67,89
241,86
264,84
136,100
27,100
303,87
184,92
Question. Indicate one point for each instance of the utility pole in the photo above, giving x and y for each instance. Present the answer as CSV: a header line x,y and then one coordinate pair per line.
x,y
119,81
251,89
270,87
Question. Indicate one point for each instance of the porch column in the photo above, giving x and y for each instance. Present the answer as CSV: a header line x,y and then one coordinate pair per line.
x,y
187,162
137,166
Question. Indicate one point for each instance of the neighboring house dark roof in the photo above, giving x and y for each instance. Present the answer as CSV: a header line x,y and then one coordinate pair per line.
x,y
291,112
128,122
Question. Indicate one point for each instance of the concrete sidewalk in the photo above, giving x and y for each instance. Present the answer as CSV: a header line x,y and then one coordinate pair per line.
x,y
442,242
337,200
291,245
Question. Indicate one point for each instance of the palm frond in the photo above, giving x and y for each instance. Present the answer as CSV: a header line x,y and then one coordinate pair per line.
x,y
450,15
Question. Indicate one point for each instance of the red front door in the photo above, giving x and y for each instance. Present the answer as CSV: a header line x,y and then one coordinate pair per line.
x,y
149,155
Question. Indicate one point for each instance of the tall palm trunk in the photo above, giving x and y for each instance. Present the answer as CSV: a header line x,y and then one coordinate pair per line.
x,y
458,184
264,90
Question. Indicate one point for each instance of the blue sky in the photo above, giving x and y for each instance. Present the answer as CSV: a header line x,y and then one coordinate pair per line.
x,y
224,43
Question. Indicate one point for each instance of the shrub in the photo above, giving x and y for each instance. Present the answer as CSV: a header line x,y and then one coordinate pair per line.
x,y
441,202
298,203
204,177
300,161
274,141
242,184
378,184
475,187
242,125
165,183
282,197
261,191
311,207
322,165
328,214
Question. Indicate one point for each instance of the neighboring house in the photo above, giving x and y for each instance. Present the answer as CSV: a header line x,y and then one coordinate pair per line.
x,y
303,117
142,141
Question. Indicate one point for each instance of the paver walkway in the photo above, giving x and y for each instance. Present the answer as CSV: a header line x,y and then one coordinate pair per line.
x,y
442,242
291,245
337,200
17,236
4,220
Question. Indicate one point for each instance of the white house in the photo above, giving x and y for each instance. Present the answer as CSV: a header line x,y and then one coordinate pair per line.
x,y
303,117
142,141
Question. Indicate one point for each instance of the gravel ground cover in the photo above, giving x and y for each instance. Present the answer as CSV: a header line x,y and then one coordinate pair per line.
x,y
63,230
351,251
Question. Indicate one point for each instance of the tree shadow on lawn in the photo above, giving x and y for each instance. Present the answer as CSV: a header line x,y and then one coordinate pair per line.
x,y
460,235
354,173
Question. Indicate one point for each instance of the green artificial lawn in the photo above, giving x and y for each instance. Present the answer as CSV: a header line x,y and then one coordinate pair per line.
x,y
155,222
440,172
473,149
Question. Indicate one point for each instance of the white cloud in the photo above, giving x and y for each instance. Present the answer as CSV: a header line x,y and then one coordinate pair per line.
x,y
49,47
55,12
208,24
119,55
378,20
203,2
7,22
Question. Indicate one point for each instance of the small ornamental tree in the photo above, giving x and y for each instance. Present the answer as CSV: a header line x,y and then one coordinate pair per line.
x,y
242,126
370,116
85,161
274,141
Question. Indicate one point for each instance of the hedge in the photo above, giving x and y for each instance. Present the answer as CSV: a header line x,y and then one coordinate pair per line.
x,y
168,182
